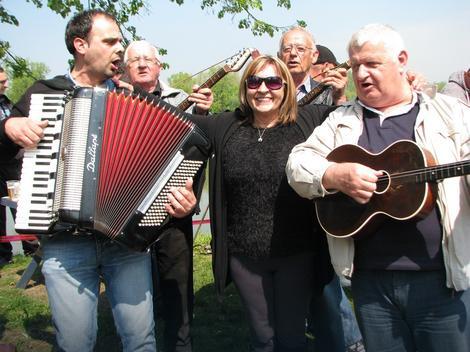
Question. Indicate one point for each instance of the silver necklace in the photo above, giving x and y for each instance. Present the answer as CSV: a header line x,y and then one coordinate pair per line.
x,y
261,134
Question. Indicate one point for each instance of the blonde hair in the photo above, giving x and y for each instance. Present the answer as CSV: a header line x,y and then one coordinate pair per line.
x,y
288,108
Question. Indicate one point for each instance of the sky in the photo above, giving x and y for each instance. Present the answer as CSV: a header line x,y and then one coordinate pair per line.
x,y
435,32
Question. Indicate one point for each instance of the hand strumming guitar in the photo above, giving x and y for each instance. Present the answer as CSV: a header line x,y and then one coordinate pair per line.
x,y
355,180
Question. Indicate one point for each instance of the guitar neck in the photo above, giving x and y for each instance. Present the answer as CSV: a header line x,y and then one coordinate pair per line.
x,y
439,172
185,104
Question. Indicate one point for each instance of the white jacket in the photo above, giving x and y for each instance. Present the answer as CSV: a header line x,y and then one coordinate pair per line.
x,y
442,127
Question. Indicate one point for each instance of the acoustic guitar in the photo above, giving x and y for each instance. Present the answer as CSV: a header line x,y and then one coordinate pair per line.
x,y
406,189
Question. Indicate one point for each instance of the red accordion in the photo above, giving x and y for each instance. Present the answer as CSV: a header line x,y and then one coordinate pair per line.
x,y
106,164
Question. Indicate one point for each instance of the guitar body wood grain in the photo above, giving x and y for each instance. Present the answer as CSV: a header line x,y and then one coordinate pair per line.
x,y
401,198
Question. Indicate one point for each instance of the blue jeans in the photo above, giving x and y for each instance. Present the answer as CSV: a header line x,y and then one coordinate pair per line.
x,y
72,267
411,311
332,321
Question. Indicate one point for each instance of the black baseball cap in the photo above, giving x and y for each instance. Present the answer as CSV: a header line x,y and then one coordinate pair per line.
x,y
325,55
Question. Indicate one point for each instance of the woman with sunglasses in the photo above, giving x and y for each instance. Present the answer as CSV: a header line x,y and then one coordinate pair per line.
x,y
263,232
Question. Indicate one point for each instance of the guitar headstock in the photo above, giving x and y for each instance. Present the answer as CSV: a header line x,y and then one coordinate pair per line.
x,y
346,65
237,61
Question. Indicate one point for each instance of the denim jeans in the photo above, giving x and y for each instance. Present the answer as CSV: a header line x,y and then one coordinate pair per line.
x,y
332,321
411,311
72,267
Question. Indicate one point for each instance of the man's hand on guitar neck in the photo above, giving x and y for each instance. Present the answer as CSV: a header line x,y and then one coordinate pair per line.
x,y
24,132
203,98
355,180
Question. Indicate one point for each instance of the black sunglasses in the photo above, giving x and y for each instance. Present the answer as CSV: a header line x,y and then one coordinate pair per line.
x,y
272,83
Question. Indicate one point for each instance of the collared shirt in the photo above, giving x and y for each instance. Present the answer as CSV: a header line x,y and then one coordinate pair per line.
x,y
158,90
304,88
399,110
326,97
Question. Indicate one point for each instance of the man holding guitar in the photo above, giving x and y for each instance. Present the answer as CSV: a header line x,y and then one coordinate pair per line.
x,y
172,254
411,273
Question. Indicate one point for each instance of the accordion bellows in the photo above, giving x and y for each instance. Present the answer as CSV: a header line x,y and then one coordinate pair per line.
x,y
106,164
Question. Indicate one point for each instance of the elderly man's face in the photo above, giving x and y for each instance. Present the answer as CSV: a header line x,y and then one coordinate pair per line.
x,y
297,52
143,67
378,76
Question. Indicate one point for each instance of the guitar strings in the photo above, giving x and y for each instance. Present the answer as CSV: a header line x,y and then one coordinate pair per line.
x,y
437,168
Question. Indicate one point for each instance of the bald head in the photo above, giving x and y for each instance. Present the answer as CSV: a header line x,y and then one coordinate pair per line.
x,y
298,51
142,65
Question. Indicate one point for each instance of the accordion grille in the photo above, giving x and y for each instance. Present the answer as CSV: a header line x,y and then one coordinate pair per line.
x,y
139,137
75,140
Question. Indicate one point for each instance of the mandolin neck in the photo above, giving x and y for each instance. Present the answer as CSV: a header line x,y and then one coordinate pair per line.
x,y
217,76
315,92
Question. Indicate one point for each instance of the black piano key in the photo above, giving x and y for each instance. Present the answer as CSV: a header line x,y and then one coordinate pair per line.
x,y
36,211
40,178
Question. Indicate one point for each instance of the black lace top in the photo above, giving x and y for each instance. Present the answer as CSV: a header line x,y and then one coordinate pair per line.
x,y
265,217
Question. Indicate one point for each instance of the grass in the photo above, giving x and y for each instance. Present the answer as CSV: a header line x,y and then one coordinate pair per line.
x,y
25,320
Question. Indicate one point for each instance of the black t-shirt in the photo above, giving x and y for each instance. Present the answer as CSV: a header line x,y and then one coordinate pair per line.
x,y
265,217
398,245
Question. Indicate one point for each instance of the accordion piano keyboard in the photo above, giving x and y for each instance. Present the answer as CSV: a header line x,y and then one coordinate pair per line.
x,y
38,173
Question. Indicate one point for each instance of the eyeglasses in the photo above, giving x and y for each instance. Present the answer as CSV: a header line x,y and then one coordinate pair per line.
x,y
300,49
148,60
272,83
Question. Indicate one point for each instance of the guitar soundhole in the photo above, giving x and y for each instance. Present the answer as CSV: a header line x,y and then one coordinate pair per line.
x,y
383,183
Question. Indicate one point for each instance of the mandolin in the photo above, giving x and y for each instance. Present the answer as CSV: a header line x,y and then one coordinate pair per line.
x,y
235,63
320,88
406,189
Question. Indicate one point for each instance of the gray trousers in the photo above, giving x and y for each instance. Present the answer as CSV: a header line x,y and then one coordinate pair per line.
x,y
276,295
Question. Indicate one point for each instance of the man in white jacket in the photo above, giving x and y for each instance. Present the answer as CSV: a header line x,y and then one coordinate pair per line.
x,y
410,278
